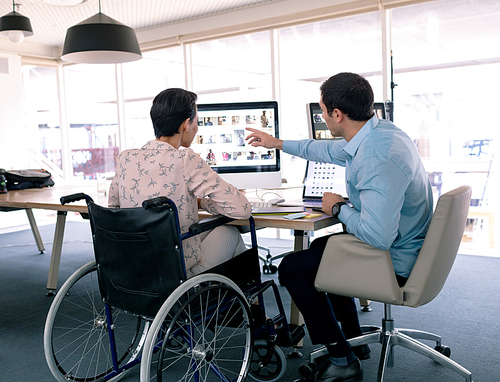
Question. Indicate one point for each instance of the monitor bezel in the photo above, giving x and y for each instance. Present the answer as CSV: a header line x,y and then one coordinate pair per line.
x,y
254,168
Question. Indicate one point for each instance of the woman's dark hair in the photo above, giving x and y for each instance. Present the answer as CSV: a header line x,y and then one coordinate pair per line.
x,y
350,93
170,108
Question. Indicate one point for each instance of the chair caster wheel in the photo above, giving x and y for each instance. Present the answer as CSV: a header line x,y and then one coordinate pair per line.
x,y
307,369
265,269
445,350
273,269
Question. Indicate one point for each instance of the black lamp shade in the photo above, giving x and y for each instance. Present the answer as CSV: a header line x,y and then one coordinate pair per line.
x,y
100,40
14,21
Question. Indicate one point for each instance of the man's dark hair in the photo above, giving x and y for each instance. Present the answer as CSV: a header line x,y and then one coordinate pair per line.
x,y
170,108
350,93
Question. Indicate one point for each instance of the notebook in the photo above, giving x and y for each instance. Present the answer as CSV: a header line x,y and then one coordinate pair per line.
x,y
320,178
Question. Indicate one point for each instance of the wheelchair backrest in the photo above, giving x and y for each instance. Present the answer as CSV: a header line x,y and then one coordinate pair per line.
x,y
139,255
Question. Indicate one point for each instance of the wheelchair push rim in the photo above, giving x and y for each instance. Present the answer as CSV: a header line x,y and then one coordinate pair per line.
x,y
203,332
76,337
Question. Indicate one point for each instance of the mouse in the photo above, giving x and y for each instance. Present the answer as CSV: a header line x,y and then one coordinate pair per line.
x,y
276,201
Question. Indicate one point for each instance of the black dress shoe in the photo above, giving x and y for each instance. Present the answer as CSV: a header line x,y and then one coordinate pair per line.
x,y
362,352
332,373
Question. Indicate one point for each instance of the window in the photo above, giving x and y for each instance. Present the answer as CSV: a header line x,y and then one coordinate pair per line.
x,y
92,118
311,53
233,69
42,106
447,60
142,81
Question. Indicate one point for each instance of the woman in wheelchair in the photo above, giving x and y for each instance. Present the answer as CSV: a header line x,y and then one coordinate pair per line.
x,y
160,167
165,290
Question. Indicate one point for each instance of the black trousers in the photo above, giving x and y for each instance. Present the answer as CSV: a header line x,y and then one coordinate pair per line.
x,y
322,311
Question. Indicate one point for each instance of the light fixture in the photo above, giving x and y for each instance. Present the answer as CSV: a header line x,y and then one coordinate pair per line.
x,y
100,40
15,26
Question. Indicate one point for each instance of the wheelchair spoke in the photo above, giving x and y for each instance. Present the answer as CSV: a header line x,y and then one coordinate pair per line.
x,y
213,323
76,340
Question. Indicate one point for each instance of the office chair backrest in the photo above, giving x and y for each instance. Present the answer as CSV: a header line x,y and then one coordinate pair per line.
x,y
138,254
440,248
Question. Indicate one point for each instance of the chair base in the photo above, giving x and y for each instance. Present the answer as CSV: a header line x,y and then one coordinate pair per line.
x,y
406,338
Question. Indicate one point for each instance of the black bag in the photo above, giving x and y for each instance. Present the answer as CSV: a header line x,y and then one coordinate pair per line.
x,y
21,179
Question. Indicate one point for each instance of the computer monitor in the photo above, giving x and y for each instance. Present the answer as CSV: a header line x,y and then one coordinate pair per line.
x,y
221,142
317,126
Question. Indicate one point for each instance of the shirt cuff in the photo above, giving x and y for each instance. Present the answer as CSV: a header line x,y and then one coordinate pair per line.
x,y
345,213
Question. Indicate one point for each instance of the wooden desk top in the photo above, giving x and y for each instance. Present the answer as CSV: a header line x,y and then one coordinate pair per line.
x,y
48,199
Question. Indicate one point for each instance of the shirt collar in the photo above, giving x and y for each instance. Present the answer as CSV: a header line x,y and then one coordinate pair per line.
x,y
352,146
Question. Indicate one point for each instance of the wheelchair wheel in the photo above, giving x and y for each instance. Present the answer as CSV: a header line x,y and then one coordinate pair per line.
x,y
268,363
203,332
76,341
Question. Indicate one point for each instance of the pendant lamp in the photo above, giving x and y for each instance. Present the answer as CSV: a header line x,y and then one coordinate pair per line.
x,y
100,40
15,26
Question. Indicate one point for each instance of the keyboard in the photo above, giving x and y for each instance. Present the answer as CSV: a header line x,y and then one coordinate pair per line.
x,y
260,205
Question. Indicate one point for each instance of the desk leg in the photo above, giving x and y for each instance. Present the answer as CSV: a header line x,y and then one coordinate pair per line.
x,y
55,259
301,241
34,229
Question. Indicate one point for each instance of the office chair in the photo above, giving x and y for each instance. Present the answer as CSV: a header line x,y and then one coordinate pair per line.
x,y
351,267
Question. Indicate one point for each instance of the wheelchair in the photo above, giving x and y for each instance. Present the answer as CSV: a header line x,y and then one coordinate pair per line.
x,y
135,305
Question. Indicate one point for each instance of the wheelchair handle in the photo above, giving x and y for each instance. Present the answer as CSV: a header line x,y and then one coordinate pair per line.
x,y
75,198
155,202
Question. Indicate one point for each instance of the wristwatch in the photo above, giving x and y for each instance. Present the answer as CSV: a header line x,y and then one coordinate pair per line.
x,y
336,208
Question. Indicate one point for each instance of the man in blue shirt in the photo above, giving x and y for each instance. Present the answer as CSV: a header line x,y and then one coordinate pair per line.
x,y
391,209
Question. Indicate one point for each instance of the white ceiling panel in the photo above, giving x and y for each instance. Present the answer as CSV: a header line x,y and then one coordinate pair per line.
x,y
50,22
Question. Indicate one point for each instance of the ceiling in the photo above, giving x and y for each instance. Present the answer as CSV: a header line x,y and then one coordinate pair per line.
x,y
51,18
161,23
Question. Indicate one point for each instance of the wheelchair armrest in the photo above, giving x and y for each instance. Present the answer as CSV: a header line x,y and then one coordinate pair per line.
x,y
209,223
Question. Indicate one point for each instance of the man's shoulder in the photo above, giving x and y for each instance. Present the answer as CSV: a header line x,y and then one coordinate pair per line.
x,y
385,135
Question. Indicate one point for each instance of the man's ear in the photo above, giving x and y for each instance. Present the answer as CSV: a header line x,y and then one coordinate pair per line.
x,y
337,115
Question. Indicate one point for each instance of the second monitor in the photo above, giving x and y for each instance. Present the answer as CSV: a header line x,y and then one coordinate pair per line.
x,y
317,125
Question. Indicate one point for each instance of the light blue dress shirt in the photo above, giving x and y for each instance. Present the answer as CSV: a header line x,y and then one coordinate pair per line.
x,y
387,185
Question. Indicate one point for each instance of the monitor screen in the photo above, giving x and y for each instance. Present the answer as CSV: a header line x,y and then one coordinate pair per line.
x,y
221,142
317,125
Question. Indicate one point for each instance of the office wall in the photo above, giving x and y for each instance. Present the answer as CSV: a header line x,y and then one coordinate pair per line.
x,y
13,134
